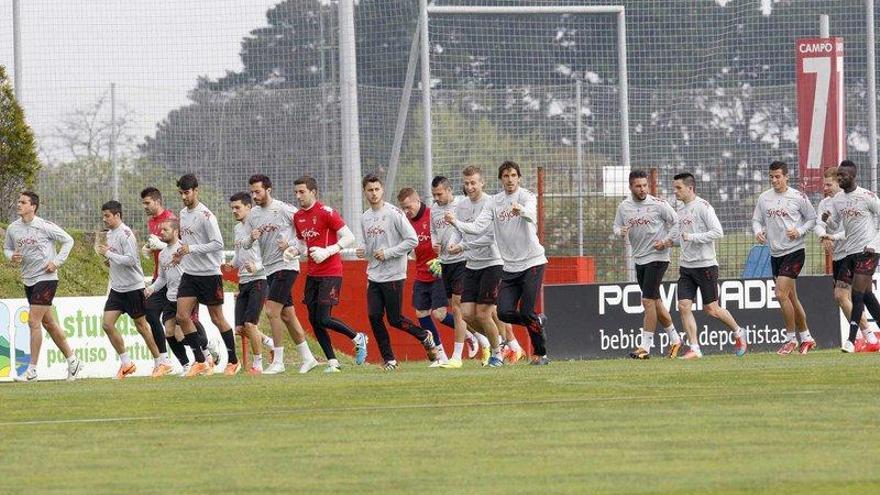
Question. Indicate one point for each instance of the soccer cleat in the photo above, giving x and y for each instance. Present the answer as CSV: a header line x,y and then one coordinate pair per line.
x,y
495,362
308,366
436,364
485,354
198,369
232,369
274,369
73,370
212,349
807,346
640,353
29,376
540,361
332,368
161,369
511,356
185,370
875,347
360,348
672,353
859,344
847,347
691,354
210,363
125,370
431,349
787,348
741,345
472,346
452,364
389,366
255,372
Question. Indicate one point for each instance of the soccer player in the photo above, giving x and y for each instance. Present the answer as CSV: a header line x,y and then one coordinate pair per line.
x,y
832,241
323,234
483,268
200,255
783,215
512,213
388,237
126,290
30,243
429,293
856,210
699,228
648,223
271,224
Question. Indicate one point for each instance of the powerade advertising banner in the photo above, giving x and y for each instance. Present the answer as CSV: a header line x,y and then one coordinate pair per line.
x,y
605,321
80,319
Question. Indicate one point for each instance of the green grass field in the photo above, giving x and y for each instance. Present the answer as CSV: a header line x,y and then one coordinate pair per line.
x,y
761,424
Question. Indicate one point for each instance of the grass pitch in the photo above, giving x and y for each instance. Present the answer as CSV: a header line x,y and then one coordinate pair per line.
x,y
761,424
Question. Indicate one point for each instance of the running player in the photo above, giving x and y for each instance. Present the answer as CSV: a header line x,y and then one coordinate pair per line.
x,y
856,210
842,277
783,215
200,255
30,243
271,224
429,293
388,237
698,266
323,234
513,215
126,290
648,223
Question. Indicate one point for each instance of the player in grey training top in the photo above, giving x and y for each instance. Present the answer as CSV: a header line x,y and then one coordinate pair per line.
x,y
388,237
782,217
271,224
698,229
126,290
648,222
30,243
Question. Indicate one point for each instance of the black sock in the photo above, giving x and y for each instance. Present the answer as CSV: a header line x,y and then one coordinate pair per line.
x,y
202,335
872,305
178,349
192,340
229,340
858,306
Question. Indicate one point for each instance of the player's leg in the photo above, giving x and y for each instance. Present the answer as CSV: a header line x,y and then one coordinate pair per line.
x,y
421,300
873,307
329,291
708,283
645,277
393,295
532,281
453,285
153,309
187,302
108,323
863,267
687,293
376,314
74,366
488,282
784,287
512,351
247,314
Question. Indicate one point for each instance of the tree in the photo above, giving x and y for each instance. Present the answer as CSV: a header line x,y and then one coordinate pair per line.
x,y
86,133
18,150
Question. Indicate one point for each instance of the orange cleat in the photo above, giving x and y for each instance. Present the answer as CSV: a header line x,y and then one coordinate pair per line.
x,y
232,369
255,372
125,370
161,369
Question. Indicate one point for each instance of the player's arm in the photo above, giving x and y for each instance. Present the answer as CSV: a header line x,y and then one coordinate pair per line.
x,y
215,238
8,245
160,282
481,224
58,234
618,225
874,207
715,231
808,213
670,220
129,254
758,219
529,210
408,233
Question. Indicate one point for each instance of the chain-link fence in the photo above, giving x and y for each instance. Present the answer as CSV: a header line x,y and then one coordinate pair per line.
x,y
711,91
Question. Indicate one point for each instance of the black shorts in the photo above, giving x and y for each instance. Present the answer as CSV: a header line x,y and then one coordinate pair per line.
x,y
840,271
249,302
157,301
281,286
169,310
133,303
322,291
858,264
481,286
207,289
706,279
41,293
453,278
789,265
650,276
429,295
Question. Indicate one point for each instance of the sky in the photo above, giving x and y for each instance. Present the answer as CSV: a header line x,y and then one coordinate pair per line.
x,y
154,50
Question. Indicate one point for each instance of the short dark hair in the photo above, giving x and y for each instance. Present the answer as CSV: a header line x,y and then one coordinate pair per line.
x,y
34,199
370,178
471,170
175,223
441,181
405,193
242,196
637,174
687,178
152,193
262,179
778,165
508,165
308,181
187,182
113,206
848,163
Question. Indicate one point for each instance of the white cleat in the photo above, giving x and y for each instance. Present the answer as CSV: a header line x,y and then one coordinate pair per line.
x,y
184,370
437,363
74,370
29,376
274,369
308,366
847,347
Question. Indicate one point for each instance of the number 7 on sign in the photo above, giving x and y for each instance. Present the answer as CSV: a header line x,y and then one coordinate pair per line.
x,y
821,66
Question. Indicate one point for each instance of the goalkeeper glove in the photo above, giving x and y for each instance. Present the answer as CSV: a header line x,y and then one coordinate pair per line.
x,y
435,267
155,243
290,254
319,254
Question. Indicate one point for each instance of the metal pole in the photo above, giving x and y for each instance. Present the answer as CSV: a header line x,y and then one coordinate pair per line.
x,y
579,139
403,110
352,195
624,89
872,91
113,164
324,123
824,26
16,49
427,165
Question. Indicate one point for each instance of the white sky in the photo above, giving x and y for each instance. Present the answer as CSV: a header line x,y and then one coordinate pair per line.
x,y
152,49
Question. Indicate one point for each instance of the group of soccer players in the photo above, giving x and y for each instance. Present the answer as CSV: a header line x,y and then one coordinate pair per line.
x,y
847,225
480,268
